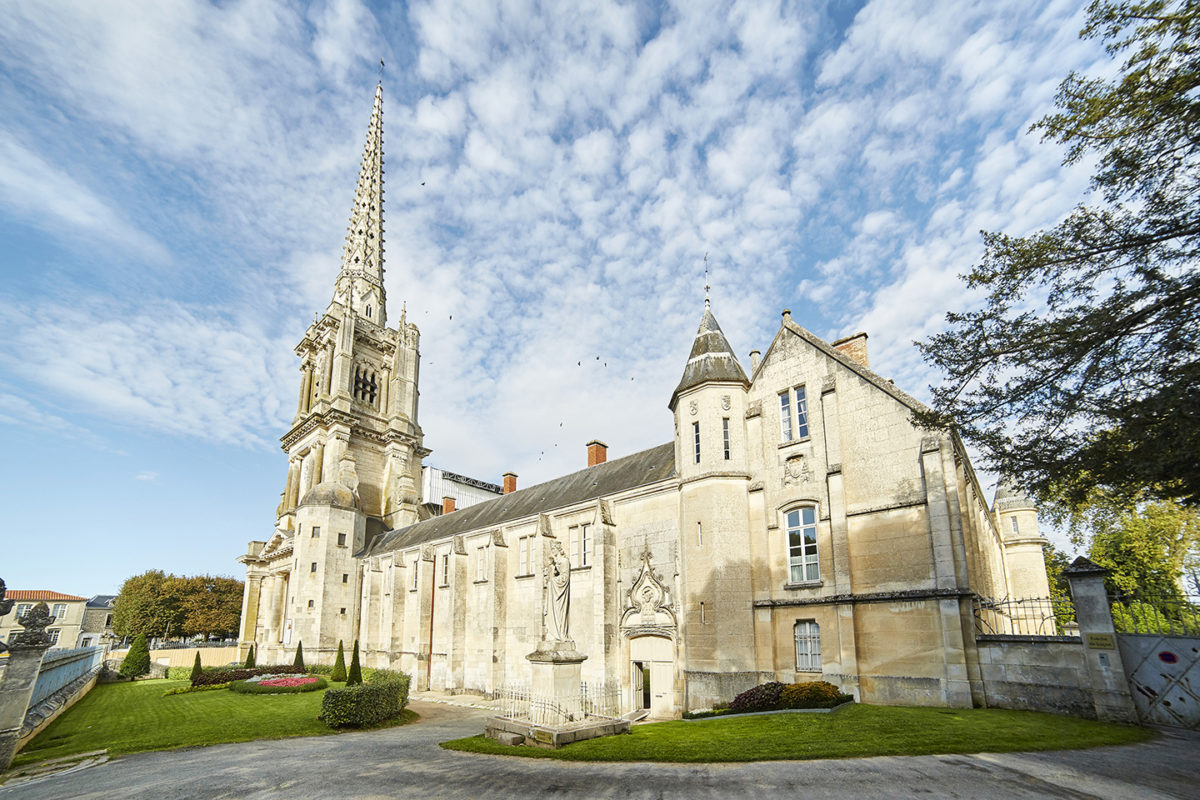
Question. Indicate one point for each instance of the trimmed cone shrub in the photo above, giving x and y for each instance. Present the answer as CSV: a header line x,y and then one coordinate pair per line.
x,y
137,660
249,658
382,697
197,668
299,662
339,666
354,677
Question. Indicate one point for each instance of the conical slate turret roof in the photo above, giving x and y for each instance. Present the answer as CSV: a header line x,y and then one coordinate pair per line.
x,y
711,359
1009,496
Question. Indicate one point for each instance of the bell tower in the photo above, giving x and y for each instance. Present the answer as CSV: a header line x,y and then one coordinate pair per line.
x,y
354,448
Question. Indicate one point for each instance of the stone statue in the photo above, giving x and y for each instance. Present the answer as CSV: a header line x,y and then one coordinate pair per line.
x,y
558,595
5,607
34,622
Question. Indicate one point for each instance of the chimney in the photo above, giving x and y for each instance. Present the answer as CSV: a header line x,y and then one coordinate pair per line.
x,y
597,452
447,504
854,346
755,357
510,482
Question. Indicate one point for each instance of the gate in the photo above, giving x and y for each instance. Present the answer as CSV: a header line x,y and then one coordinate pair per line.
x,y
1160,647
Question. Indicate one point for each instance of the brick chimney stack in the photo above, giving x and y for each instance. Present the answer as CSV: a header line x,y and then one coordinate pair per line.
x,y
447,504
854,346
510,482
597,452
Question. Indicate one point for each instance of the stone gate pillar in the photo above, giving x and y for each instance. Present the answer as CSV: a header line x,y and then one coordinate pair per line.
x,y
24,663
1110,687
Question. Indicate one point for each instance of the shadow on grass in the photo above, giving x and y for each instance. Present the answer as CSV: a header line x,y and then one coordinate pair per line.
x,y
857,732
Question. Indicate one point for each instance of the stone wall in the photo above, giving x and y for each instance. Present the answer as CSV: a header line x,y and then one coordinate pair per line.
x,y
1036,674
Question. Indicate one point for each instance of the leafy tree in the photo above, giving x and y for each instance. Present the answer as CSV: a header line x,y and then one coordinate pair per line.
x,y
249,658
354,677
1099,388
339,665
299,662
1145,548
158,604
137,660
197,668
1060,589
210,605
147,605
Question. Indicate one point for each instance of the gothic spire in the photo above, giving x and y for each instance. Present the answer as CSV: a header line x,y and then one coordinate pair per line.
x,y
360,282
711,359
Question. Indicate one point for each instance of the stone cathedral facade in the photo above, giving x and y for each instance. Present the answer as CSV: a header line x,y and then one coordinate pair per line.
x,y
797,527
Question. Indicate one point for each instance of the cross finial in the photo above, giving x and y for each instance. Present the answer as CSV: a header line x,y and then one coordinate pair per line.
x,y
706,286
381,71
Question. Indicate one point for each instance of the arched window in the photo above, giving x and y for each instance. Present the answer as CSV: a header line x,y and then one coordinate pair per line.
x,y
368,311
803,564
808,646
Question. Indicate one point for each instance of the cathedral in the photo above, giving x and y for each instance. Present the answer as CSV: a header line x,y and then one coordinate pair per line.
x,y
797,527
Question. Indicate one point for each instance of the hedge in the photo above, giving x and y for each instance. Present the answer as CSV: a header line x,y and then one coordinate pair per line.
x,y
251,687
381,697
179,673
229,674
774,695
189,689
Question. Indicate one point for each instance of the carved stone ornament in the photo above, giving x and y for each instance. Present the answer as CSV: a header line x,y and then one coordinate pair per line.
x,y
648,607
725,402
34,622
498,538
557,578
543,526
796,470
427,553
606,514
692,408
460,546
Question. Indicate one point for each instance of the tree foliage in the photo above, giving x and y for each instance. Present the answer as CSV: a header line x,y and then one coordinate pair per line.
x,y
1060,588
1144,549
157,604
339,665
1081,371
354,676
137,660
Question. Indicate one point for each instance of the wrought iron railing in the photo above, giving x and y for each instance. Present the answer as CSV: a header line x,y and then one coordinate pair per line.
x,y
1171,616
1029,616
518,701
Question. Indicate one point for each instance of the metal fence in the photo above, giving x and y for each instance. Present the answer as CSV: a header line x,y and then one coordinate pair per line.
x,y
1170,616
1030,616
518,701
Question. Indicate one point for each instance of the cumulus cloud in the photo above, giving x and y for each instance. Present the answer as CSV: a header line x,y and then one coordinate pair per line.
x,y
554,178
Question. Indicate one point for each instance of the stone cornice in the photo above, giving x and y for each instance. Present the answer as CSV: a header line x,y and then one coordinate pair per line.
x,y
873,597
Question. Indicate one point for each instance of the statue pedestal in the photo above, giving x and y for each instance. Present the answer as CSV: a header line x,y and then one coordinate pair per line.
x,y
555,681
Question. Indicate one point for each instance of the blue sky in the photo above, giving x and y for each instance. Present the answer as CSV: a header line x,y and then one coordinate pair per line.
x,y
175,180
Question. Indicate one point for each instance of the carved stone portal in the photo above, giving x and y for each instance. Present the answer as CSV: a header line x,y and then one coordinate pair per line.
x,y
648,605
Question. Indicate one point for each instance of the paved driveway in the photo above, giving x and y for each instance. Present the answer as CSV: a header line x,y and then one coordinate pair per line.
x,y
406,762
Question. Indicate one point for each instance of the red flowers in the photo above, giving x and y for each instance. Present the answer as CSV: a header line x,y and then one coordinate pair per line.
x,y
287,681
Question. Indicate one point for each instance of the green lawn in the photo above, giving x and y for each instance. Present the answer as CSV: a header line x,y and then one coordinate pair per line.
x,y
131,717
860,730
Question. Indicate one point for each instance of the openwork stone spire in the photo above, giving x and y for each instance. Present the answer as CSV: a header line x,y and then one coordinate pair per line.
x,y
360,282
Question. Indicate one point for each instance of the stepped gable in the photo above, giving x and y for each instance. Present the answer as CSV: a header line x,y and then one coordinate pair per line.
x,y
602,480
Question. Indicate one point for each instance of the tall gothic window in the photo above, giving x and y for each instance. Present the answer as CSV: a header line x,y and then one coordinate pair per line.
x,y
366,385
803,564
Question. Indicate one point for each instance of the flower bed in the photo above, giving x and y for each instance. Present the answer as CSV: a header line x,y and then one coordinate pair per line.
x,y
279,684
213,675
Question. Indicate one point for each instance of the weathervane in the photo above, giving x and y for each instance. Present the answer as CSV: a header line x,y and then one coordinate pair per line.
x,y
706,286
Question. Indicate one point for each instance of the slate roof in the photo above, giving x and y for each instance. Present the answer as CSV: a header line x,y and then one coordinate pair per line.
x,y
602,480
102,601
711,359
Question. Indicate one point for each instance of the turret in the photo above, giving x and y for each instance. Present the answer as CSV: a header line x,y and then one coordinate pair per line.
x,y
1016,517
